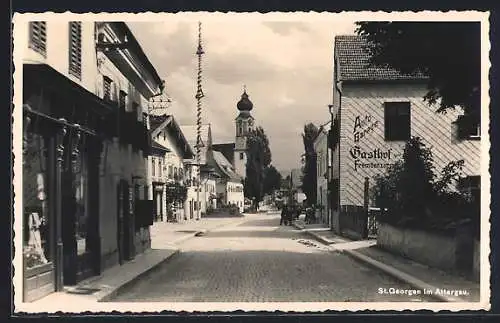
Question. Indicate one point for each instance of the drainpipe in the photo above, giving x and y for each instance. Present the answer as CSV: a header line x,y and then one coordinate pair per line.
x,y
330,167
339,113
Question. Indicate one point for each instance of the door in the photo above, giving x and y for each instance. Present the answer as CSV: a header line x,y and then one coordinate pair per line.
x,y
122,221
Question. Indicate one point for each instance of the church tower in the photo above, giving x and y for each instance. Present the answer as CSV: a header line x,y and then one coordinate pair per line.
x,y
244,124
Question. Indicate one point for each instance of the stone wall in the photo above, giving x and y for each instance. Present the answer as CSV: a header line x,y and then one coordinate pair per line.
x,y
439,250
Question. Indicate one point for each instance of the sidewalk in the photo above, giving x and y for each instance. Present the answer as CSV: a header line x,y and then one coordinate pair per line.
x,y
165,241
415,274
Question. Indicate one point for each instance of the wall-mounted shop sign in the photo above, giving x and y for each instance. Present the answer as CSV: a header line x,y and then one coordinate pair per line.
x,y
363,125
376,158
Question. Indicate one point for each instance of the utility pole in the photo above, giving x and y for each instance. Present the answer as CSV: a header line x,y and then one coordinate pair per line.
x,y
199,96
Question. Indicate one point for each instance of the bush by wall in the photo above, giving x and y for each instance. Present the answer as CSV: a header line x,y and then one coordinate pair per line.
x,y
414,196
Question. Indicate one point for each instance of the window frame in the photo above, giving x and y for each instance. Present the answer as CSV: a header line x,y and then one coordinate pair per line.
x,y
393,121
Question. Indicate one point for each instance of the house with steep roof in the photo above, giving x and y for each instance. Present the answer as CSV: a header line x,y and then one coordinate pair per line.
x,y
229,187
170,170
376,110
207,187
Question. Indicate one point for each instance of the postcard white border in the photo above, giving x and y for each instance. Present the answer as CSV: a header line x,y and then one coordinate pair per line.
x,y
240,17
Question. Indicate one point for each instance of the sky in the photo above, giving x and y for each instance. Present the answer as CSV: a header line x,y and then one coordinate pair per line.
x,y
286,66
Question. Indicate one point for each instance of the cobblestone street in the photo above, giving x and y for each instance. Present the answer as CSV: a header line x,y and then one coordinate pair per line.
x,y
260,261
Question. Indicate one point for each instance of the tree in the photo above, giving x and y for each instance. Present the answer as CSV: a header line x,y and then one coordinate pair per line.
x,y
272,179
448,53
258,159
309,170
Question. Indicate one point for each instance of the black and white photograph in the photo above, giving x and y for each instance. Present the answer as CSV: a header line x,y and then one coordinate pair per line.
x,y
243,161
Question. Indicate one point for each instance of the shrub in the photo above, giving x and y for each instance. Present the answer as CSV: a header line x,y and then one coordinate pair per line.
x,y
414,196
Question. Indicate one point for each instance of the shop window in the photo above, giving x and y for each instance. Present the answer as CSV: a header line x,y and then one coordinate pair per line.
x,y
81,175
36,235
38,36
75,48
397,121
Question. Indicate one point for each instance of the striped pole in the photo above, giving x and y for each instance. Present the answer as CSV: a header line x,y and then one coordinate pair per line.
x,y
199,96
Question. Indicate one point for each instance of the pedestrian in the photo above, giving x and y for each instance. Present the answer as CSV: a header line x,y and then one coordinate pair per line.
x,y
283,214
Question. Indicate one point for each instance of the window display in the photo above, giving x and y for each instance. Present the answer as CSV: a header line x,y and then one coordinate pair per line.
x,y
36,246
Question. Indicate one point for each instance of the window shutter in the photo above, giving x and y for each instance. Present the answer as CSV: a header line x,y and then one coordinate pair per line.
x,y
38,36
107,88
75,48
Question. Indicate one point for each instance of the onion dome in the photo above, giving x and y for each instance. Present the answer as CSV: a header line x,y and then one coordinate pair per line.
x,y
245,104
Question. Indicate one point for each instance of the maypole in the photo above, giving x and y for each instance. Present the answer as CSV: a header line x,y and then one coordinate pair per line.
x,y
199,96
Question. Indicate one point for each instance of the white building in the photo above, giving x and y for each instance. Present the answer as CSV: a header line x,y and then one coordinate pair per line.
x,y
323,155
229,184
376,110
83,84
170,173
206,196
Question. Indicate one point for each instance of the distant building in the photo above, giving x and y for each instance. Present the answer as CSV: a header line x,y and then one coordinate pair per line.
x,y
323,164
207,197
169,169
229,187
376,111
236,153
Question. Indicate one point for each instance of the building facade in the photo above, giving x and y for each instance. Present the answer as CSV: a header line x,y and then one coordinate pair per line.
x,y
170,171
80,90
376,110
201,196
229,186
323,164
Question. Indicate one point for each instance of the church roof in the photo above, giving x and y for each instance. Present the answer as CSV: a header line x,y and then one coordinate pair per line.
x,y
226,149
245,104
225,167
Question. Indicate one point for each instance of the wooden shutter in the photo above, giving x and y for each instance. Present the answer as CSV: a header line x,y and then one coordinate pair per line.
x,y
75,48
107,88
38,36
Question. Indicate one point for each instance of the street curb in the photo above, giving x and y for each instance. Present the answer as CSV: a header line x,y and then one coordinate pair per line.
x,y
389,270
399,275
128,283
117,290
319,238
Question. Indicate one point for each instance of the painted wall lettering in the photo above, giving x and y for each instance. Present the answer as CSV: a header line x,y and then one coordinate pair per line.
x,y
376,158
363,125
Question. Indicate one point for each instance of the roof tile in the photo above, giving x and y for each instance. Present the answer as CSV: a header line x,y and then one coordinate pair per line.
x,y
354,63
